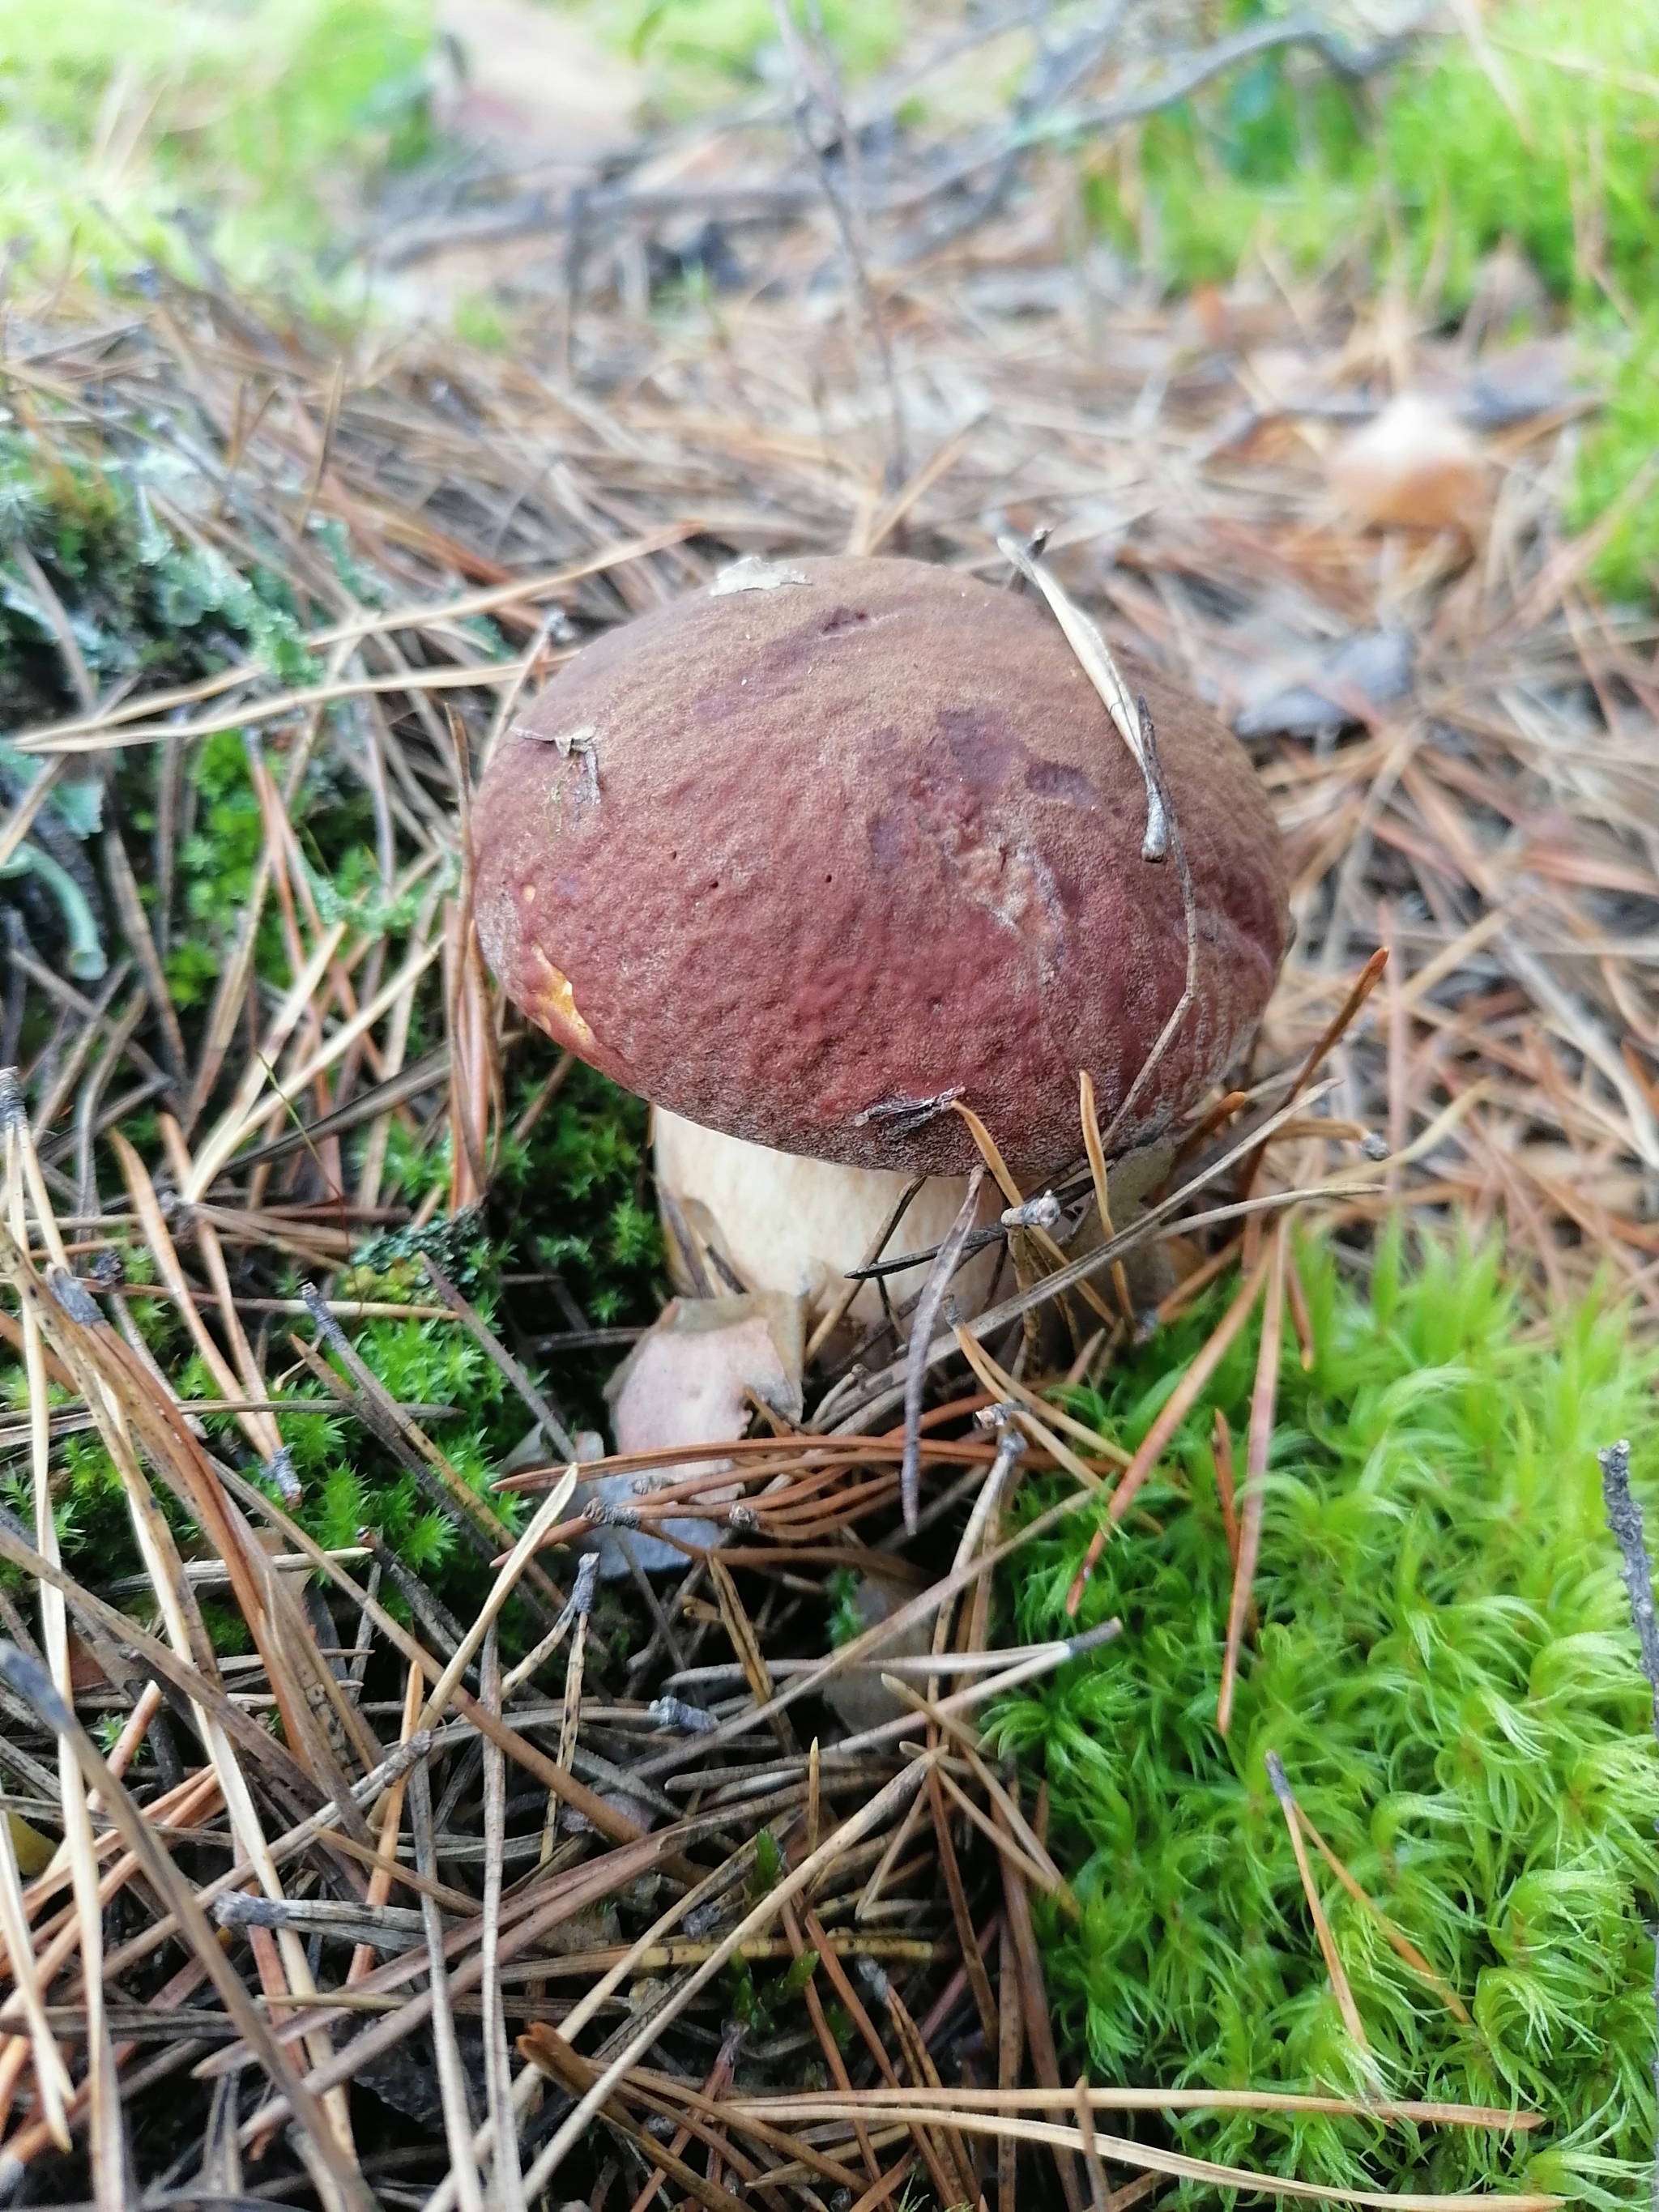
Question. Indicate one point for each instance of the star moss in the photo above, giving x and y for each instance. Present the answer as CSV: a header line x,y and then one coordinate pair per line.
x,y
1443,1659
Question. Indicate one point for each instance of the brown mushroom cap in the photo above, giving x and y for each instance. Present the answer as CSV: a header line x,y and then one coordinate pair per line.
x,y
800,863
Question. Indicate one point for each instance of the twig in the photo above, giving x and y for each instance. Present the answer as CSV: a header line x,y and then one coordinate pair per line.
x,y
551,1426
814,77
921,1329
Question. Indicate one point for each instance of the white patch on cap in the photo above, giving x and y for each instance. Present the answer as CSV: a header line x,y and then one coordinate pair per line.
x,y
752,573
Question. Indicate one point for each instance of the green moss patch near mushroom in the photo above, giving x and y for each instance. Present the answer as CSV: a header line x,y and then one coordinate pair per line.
x,y
1445,1665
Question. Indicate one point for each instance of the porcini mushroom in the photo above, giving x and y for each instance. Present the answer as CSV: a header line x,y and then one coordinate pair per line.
x,y
785,1221
809,855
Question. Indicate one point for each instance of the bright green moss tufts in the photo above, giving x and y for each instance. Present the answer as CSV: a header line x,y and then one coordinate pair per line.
x,y
1443,1659
1620,444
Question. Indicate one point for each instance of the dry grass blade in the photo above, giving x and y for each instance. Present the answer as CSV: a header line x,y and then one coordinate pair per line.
x,y
1147,2158
574,1614
1010,2043
1034,2013
746,1644
473,1023
1091,1145
921,1330
1334,1030
1397,1938
575,1674
1263,1403
1025,1869
873,1814
53,2084
1179,1403
1498,2118
1085,2129
108,2147
978,1979
1102,671
1333,1966
452,2080
1226,1483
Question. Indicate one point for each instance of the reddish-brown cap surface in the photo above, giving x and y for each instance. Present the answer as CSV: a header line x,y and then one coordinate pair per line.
x,y
800,863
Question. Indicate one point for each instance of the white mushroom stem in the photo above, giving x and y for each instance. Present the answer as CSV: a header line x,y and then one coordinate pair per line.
x,y
797,1225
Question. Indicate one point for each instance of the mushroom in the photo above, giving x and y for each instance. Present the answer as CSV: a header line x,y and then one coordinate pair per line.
x,y
810,855
783,1222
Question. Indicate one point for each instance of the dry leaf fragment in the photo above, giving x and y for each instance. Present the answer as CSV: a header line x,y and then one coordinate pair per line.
x,y
1414,467
685,1383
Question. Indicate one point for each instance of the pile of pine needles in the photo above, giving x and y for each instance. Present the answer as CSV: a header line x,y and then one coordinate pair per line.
x,y
326,1846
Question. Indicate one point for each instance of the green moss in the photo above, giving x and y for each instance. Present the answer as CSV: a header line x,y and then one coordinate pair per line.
x,y
1574,149
1271,148
579,1200
574,1195
227,1631
847,1620
1620,441
1445,1663
479,322
258,116
1553,143
701,40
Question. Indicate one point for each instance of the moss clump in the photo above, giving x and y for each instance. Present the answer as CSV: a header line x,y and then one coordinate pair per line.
x,y
260,119
705,43
1445,1663
1622,440
1541,141
572,1196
